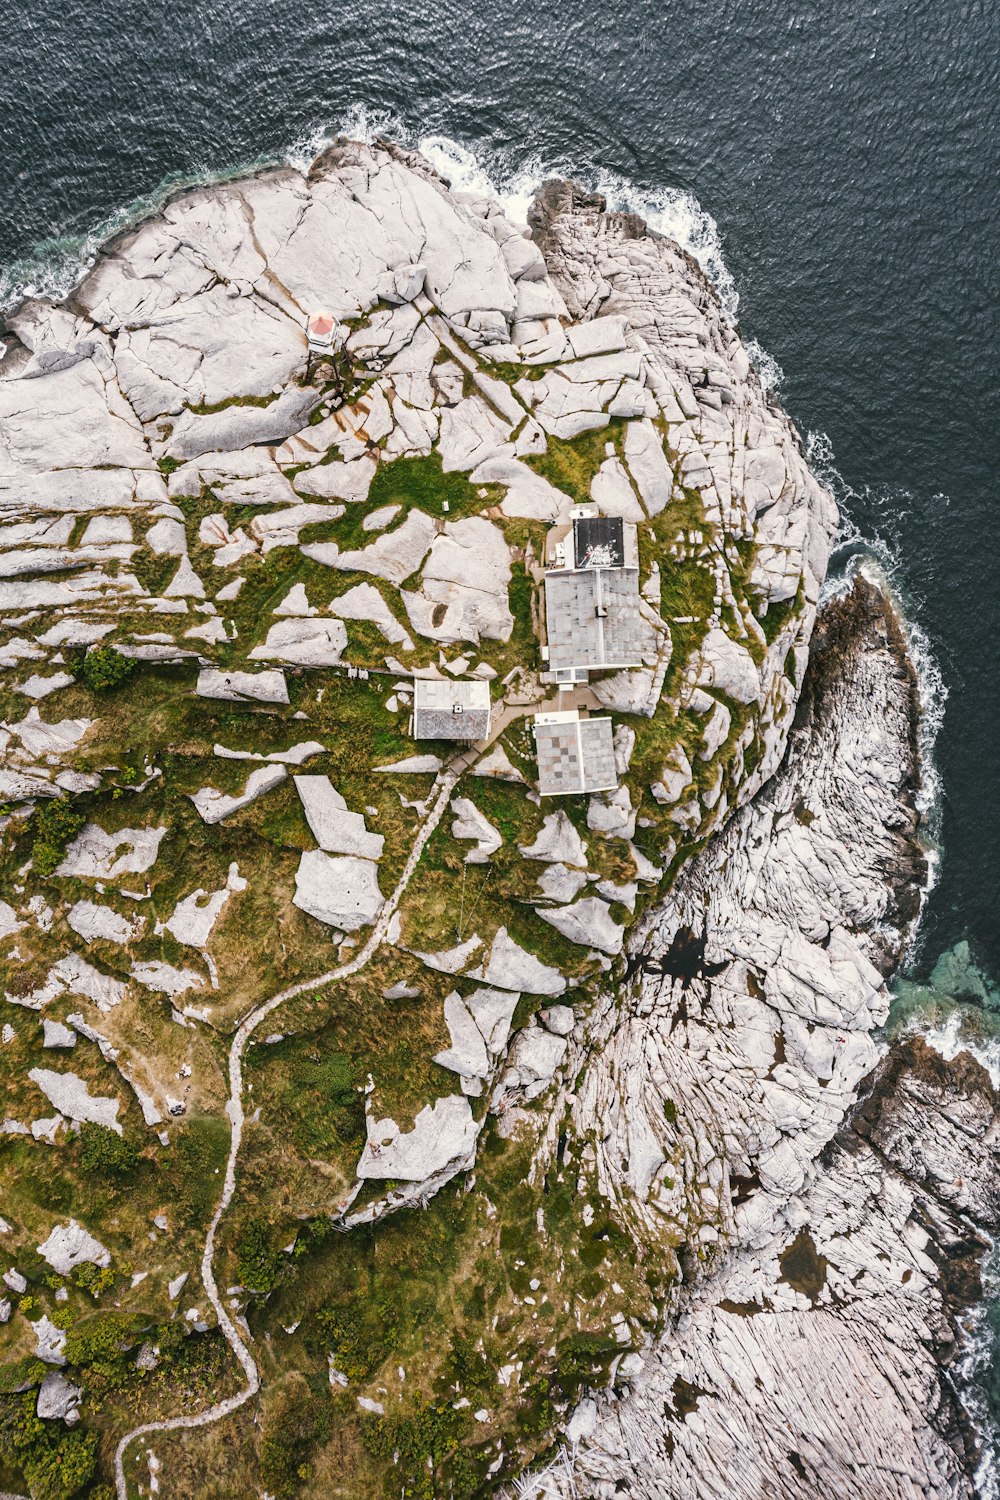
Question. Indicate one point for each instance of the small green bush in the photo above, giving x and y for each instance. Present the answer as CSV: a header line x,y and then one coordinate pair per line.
x,y
101,1345
258,1267
54,823
93,1279
104,668
103,1150
359,1337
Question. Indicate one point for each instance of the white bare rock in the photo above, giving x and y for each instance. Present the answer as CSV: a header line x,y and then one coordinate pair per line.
x,y
304,643
511,967
72,1098
727,666
334,827
341,890
464,586
612,814
92,921
393,556
442,1140
364,602
493,1011
258,687
195,916
647,464
467,1054
70,1245
558,841
561,883
295,603
94,854
166,979
470,823
214,805
587,922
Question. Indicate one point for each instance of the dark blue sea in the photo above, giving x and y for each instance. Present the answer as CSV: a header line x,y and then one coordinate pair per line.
x,y
834,166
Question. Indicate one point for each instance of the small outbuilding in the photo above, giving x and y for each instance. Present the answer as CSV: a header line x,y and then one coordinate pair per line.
x,y
450,710
574,755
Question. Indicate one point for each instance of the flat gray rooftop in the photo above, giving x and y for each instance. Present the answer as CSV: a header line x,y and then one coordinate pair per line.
x,y
593,619
574,755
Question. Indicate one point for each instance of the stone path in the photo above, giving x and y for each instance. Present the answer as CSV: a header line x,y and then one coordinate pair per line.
x,y
445,783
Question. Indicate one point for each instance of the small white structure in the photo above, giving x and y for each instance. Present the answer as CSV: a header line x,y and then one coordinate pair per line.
x,y
458,710
324,333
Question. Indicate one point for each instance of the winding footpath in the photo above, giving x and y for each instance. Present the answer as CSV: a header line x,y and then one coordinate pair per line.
x,y
446,782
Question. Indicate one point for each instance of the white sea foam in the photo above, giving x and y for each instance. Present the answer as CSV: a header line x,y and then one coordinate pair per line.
x,y
958,1032
770,372
974,1371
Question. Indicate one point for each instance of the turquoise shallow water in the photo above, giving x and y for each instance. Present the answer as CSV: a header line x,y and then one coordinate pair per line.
x,y
846,166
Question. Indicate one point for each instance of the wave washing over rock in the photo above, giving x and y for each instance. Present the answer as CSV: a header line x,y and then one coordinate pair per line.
x,y
577,846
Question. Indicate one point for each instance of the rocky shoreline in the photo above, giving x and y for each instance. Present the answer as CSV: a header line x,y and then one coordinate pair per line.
x,y
810,1353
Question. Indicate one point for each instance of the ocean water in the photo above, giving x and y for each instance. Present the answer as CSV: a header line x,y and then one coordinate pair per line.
x,y
836,170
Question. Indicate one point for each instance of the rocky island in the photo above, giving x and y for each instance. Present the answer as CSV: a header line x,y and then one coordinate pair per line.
x,y
452,862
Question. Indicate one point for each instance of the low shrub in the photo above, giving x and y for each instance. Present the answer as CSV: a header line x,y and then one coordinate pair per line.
x,y
54,823
104,668
103,1150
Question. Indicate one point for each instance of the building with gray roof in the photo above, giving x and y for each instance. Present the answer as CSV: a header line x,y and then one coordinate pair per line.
x,y
574,755
594,619
450,710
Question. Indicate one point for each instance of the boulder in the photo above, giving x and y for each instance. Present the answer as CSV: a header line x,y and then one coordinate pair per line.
x,y
532,1062
58,1399
69,1245
443,1139
258,687
341,891
587,922
55,1034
